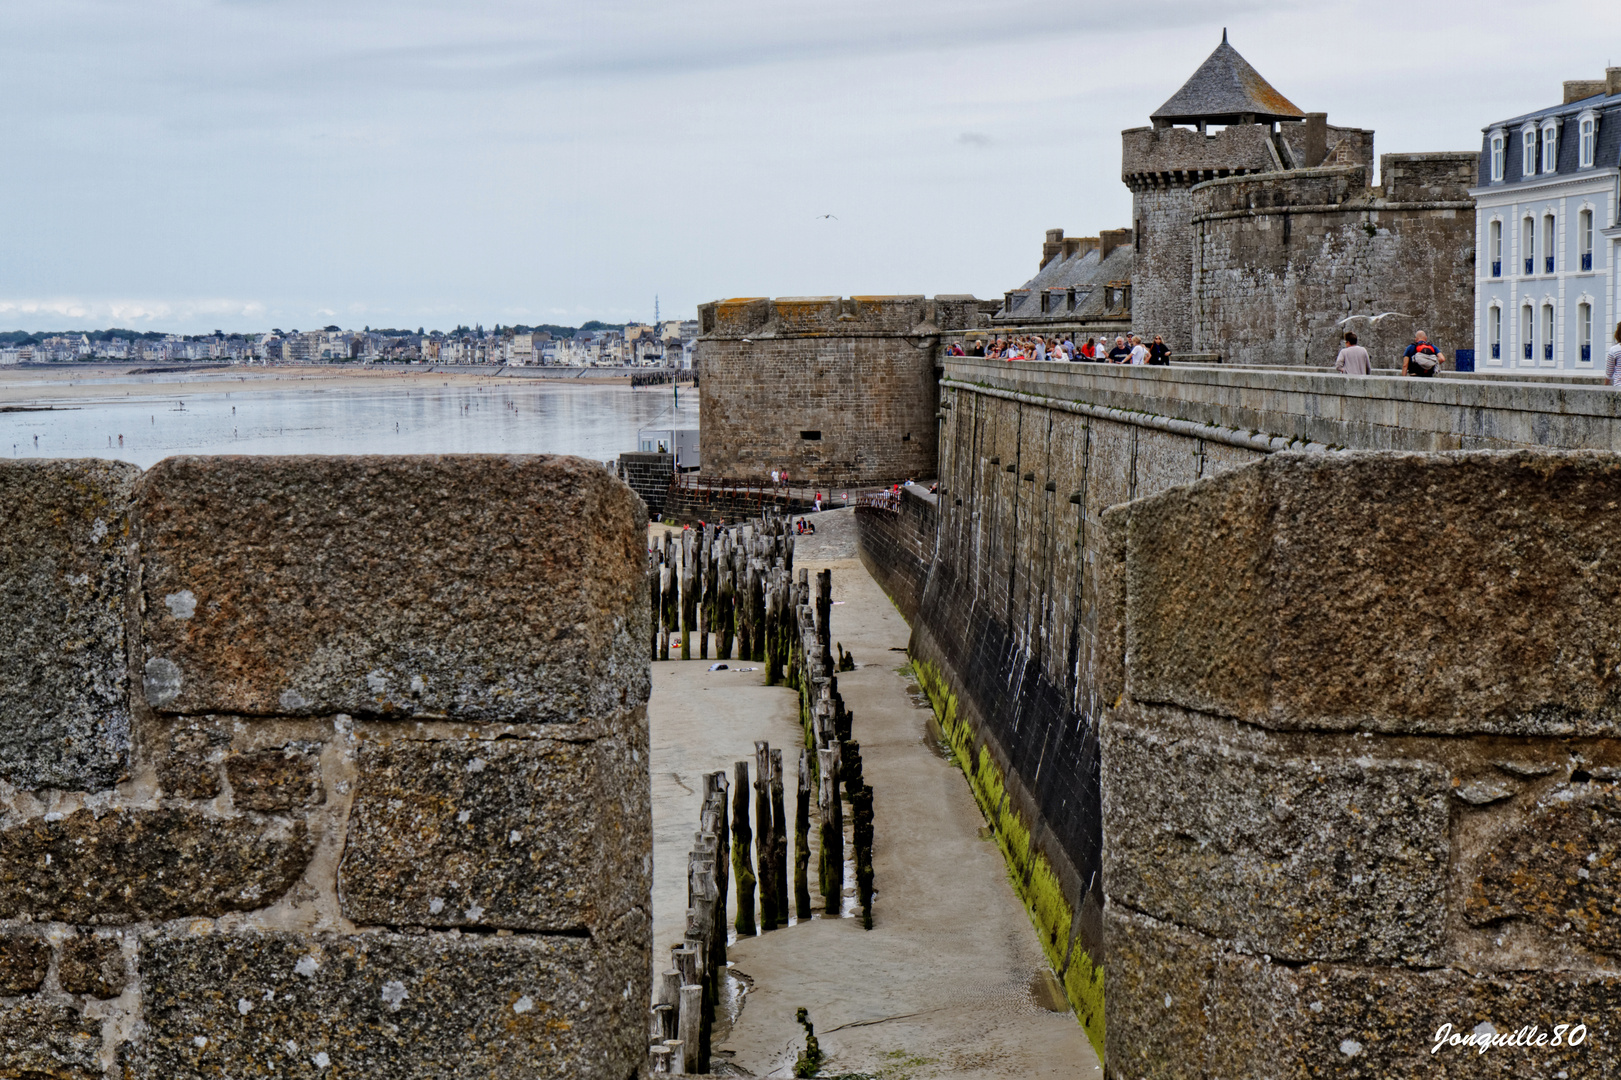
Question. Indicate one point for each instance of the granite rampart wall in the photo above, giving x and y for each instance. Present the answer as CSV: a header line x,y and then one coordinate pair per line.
x,y
1281,260
897,546
1006,636
322,766
837,391
1359,806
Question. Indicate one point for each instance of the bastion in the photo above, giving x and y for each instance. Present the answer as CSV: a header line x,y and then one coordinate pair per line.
x,y
323,766
831,390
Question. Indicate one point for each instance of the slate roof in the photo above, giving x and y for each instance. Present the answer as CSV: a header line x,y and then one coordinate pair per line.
x,y
1087,275
1223,89
1607,153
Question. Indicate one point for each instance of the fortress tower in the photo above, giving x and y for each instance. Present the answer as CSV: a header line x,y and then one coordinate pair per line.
x,y
1237,124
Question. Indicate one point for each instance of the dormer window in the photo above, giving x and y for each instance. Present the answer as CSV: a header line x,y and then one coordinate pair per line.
x,y
1550,148
1588,129
1528,156
1497,157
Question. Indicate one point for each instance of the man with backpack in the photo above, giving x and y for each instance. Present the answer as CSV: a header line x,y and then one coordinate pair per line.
x,y
1421,358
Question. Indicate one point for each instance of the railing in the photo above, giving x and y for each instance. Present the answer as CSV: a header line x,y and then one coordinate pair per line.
x,y
1530,265
1497,350
1547,351
1549,262
1528,350
1587,260
880,500
1587,354
1497,268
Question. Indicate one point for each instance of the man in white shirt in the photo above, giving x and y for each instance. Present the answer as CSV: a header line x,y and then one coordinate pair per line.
x,y
1353,359
1139,352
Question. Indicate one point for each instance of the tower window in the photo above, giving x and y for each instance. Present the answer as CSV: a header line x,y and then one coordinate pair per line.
x,y
1528,156
1550,148
811,436
1589,141
1497,159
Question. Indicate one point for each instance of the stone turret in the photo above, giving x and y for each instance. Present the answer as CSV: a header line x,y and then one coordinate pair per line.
x,y
1260,131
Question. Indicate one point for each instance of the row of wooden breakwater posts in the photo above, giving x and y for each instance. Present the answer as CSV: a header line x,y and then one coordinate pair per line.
x,y
784,624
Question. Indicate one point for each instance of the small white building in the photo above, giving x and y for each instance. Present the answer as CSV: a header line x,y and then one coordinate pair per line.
x,y
1547,233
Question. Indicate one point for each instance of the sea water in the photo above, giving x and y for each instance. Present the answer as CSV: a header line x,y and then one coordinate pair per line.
x,y
502,416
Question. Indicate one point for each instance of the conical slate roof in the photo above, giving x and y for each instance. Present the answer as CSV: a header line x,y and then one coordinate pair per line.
x,y
1223,89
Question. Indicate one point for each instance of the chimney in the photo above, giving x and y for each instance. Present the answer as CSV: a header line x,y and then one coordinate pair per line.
x,y
1577,89
1316,148
1113,238
1052,246
1612,80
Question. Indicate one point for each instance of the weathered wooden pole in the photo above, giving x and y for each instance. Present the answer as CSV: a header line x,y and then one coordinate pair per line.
x,y
830,868
765,860
742,842
653,604
692,1004
689,599
726,613
824,616
802,900
779,839
665,588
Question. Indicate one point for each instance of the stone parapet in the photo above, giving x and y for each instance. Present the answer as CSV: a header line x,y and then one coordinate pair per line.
x,y
328,765
1391,804
1376,413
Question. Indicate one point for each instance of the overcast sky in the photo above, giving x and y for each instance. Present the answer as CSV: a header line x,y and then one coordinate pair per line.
x,y
188,165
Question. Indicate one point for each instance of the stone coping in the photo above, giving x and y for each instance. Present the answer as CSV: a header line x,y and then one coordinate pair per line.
x,y
1325,407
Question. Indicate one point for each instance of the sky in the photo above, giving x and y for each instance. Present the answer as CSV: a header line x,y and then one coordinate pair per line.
x,y
190,165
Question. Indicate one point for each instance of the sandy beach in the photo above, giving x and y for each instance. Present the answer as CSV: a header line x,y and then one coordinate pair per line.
x,y
67,383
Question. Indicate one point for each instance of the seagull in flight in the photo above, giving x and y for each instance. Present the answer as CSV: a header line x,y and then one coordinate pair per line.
x,y
1375,319
820,217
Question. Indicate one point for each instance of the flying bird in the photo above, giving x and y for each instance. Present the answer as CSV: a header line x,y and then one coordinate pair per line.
x,y
820,217
1375,319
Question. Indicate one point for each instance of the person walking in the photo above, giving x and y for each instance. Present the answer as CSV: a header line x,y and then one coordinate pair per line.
x,y
1612,366
1421,358
1353,359
1159,353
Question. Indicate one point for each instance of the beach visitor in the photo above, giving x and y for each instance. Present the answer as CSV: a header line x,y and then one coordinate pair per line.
x,y
1159,353
1139,352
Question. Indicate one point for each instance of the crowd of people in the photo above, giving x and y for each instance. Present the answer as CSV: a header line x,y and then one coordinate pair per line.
x,y
1126,349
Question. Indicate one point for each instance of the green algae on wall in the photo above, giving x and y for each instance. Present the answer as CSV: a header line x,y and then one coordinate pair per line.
x,y
1032,875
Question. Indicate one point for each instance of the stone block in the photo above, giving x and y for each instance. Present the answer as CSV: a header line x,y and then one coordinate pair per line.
x,y
1383,591
391,1007
1560,869
190,770
24,960
283,778
132,865
516,833
390,586
92,965
41,1040
64,574
1320,851
1182,1005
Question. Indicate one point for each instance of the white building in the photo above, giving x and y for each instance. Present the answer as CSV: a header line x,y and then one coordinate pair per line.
x,y
1547,233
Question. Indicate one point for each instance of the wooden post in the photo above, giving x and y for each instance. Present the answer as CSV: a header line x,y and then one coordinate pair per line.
x,y
764,843
779,839
802,900
742,840
663,614
824,616
689,599
653,601
725,621
830,870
